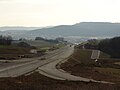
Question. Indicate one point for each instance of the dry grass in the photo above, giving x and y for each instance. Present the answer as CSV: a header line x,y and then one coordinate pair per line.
x,y
80,64
109,71
104,55
12,51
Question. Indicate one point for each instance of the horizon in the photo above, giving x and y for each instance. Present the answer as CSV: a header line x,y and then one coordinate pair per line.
x,y
9,26
41,13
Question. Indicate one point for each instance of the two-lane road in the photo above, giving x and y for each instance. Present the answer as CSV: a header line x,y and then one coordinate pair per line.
x,y
46,67
17,69
51,71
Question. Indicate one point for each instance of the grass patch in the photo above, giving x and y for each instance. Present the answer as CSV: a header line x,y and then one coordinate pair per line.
x,y
104,55
10,52
82,55
80,64
3,46
109,71
13,50
40,44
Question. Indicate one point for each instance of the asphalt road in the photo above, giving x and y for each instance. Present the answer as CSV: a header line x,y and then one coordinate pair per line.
x,y
15,68
51,71
46,67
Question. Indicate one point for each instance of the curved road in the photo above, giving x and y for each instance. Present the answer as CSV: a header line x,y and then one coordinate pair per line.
x,y
46,67
15,68
51,71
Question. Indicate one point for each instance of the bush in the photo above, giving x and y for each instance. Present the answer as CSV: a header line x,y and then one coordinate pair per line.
x,y
111,46
23,44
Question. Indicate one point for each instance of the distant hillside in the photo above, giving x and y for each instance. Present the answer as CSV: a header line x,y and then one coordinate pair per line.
x,y
82,30
87,29
16,34
12,28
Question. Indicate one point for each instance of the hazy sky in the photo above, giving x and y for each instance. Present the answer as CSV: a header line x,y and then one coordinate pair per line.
x,y
57,12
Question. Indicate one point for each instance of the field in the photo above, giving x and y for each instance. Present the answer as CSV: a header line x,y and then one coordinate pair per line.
x,y
39,43
43,45
80,64
7,52
13,51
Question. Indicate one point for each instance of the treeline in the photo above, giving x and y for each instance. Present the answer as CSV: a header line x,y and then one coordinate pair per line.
x,y
110,46
92,44
5,40
48,40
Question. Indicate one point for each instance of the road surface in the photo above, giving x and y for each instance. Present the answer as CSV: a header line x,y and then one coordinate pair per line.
x,y
15,68
51,71
46,67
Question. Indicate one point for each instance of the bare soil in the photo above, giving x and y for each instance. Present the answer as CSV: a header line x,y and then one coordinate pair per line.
x,y
80,64
36,81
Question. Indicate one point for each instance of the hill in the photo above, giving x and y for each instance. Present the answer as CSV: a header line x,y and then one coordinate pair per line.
x,y
84,29
79,30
